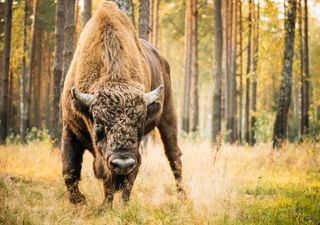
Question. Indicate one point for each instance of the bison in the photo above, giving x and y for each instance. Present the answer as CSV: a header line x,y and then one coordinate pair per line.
x,y
117,89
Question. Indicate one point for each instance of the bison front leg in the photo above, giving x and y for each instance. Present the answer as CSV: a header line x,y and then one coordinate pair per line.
x,y
128,185
109,190
168,132
71,154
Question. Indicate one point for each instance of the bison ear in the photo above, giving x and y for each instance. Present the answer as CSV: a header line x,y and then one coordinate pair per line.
x,y
153,109
81,101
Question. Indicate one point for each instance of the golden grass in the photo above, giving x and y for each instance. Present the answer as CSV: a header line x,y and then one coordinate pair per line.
x,y
241,187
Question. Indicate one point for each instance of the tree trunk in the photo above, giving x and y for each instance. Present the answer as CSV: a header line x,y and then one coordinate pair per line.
x,y
302,110
69,37
194,69
281,122
306,83
48,90
5,74
254,75
226,58
187,68
231,123
57,69
155,23
38,91
31,63
248,70
10,109
23,111
76,12
151,21
144,19
240,73
125,6
216,117
87,7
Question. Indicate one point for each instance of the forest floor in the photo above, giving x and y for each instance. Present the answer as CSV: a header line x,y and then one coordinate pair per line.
x,y
245,186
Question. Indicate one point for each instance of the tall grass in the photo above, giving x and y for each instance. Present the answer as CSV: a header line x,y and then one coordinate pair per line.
x,y
244,186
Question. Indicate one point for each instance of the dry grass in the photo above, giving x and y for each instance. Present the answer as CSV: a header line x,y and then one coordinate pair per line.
x,y
245,186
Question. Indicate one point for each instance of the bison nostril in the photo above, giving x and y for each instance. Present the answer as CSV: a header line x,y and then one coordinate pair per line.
x,y
124,166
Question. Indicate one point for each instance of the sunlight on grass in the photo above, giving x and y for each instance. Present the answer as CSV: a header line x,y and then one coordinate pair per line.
x,y
246,186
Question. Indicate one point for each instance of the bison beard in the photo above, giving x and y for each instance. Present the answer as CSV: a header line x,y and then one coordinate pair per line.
x,y
105,108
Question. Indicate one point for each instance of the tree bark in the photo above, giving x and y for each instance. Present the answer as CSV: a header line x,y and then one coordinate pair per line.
x,y
194,69
226,42
254,75
216,117
281,122
306,83
57,68
301,62
232,121
69,37
126,6
87,8
144,19
155,24
31,62
248,71
5,74
240,73
37,87
187,68
23,111
76,12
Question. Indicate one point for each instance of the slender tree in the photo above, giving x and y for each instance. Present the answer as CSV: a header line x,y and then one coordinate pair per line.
x,y
76,12
69,36
87,7
57,68
23,111
231,122
301,62
241,72
248,70
144,19
281,122
254,74
155,24
306,83
31,66
226,17
194,69
216,118
187,68
5,75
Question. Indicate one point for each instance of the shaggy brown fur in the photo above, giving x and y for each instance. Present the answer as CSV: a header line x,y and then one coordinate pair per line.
x,y
112,64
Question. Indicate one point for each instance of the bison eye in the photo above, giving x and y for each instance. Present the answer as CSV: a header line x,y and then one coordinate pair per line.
x,y
99,129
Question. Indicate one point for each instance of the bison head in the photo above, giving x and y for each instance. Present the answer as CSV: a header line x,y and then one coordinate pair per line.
x,y
118,114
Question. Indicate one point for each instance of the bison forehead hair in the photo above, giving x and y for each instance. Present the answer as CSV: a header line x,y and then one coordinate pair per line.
x,y
119,103
121,109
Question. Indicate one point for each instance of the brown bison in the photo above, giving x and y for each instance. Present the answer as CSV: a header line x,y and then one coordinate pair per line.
x,y
117,89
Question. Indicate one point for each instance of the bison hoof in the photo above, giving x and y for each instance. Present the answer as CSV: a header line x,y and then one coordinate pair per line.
x,y
77,198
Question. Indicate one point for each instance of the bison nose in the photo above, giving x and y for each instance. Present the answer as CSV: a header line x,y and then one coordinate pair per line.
x,y
122,166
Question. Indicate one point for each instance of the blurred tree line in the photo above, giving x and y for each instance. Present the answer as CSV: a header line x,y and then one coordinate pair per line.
x,y
246,68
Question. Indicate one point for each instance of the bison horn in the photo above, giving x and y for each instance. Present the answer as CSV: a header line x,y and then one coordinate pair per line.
x,y
154,95
85,99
